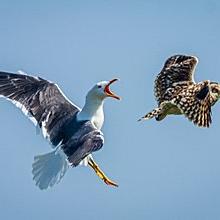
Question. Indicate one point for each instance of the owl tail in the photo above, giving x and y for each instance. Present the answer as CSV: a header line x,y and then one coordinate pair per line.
x,y
154,113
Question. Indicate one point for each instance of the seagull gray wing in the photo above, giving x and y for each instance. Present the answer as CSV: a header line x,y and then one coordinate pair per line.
x,y
177,69
86,140
80,140
39,99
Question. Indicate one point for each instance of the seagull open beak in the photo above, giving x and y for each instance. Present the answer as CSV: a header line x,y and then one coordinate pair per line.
x,y
108,92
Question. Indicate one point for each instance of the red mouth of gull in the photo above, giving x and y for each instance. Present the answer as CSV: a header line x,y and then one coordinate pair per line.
x,y
108,91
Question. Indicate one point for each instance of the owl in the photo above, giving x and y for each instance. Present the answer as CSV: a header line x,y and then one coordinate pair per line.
x,y
177,93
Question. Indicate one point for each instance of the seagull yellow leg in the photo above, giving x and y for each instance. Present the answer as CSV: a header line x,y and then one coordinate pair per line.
x,y
100,173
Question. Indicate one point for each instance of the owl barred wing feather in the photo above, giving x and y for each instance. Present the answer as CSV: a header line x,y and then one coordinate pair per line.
x,y
195,104
178,68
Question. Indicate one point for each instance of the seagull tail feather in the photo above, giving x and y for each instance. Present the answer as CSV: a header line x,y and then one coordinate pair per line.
x,y
48,169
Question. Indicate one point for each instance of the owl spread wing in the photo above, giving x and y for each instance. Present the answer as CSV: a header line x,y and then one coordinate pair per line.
x,y
177,69
195,104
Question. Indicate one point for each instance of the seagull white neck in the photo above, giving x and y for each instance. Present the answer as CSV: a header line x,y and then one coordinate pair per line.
x,y
93,111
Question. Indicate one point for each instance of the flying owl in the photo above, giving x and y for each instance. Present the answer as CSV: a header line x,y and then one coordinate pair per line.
x,y
177,93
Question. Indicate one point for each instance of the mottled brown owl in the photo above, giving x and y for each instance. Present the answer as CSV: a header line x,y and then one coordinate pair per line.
x,y
177,93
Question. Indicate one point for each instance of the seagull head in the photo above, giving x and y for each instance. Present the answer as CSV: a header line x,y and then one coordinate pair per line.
x,y
102,90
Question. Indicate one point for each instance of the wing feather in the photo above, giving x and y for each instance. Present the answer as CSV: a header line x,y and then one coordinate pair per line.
x,y
86,140
195,104
177,69
39,99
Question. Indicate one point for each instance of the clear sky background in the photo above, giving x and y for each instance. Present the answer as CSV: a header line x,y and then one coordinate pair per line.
x,y
166,170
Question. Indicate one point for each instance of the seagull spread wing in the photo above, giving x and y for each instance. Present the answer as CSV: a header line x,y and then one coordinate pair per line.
x,y
177,69
42,101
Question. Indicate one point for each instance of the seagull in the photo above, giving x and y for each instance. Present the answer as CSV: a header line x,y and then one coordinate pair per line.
x,y
177,93
74,133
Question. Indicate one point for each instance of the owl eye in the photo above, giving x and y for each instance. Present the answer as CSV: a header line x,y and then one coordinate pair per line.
x,y
214,90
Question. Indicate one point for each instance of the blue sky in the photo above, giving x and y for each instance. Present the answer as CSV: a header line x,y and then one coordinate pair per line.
x,y
166,170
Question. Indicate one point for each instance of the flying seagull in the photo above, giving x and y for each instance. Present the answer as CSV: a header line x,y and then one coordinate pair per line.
x,y
177,93
74,133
